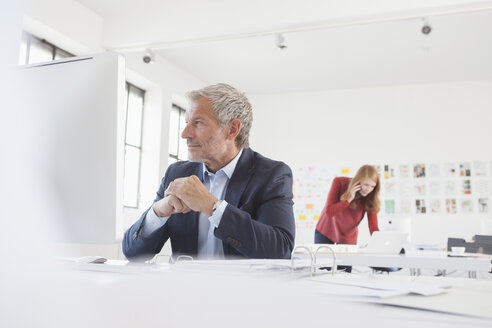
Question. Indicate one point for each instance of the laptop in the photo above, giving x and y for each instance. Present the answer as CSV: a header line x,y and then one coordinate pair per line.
x,y
386,242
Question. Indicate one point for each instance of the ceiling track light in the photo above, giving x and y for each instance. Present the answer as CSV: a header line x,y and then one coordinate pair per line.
x,y
148,57
426,28
280,42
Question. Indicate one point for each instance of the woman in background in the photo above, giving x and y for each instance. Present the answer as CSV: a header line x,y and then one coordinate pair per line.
x,y
348,200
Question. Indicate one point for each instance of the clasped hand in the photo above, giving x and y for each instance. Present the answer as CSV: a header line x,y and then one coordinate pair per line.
x,y
184,195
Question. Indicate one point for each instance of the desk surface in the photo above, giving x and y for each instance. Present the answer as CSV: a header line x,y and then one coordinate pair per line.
x,y
225,293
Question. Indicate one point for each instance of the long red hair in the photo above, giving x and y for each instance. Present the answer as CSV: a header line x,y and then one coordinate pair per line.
x,y
371,201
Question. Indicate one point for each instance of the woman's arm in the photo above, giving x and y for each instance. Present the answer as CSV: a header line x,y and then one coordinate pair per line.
x,y
333,204
372,220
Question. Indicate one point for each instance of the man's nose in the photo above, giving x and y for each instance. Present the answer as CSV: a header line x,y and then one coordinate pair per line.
x,y
186,132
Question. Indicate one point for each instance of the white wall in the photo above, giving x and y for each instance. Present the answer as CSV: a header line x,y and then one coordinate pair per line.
x,y
74,27
397,124
78,30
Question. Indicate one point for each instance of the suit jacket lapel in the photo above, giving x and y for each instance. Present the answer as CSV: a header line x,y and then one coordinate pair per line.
x,y
240,177
238,183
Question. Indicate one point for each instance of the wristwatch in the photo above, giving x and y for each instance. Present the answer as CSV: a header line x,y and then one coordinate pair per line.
x,y
216,205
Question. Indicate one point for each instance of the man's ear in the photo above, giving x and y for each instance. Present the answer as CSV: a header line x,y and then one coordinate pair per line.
x,y
234,129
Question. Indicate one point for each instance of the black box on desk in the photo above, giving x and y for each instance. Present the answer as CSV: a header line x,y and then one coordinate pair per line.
x,y
484,242
480,244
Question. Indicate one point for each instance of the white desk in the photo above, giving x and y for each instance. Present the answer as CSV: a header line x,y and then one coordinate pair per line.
x,y
232,293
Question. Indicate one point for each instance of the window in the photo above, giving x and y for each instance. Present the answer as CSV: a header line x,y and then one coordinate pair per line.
x,y
36,50
133,144
177,145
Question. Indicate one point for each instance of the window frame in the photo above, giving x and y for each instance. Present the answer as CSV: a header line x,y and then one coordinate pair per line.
x,y
181,113
128,87
54,49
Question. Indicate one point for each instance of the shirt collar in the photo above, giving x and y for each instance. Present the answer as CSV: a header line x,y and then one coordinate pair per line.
x,y
228,169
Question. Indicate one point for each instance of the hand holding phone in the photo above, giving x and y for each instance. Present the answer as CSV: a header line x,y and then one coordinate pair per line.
x,y
354,191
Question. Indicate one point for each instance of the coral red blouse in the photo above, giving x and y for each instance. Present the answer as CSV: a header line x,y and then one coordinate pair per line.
x,y
338,221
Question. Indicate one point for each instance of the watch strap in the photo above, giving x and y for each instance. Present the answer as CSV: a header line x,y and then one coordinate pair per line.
x,y
216,205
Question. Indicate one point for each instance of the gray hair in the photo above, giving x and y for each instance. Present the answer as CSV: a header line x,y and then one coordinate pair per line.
x,y
228,103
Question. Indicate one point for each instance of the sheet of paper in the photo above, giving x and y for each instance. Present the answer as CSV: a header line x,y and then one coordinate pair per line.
x,y
357,285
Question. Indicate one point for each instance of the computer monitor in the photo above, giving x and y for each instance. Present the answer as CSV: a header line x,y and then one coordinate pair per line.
x,y
82,127
396,223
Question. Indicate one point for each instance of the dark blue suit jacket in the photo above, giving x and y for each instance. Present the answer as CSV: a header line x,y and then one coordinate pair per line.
x,y
258,221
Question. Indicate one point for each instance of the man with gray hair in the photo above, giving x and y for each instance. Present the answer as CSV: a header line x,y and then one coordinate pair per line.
x,y
227,201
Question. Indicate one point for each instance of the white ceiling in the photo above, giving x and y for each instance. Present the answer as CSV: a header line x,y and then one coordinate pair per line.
x,y
330,44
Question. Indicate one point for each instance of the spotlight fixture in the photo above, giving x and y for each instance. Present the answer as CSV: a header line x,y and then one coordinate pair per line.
x,y
148,57
280,42
426,29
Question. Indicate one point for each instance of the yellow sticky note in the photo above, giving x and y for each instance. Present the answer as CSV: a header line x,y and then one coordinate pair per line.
x,y
345,171
302,217
316,218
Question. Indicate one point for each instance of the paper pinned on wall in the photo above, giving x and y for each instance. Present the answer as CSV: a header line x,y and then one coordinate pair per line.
x,y
465,170
434,187
378,169
405,206
466,206
450,187
404,189
420,206
450,169
404,171
389,206
419,171
389,189
467,187
451,206
480,168
481,187
435,205
420,188
433,171
483,205
389,171
311,186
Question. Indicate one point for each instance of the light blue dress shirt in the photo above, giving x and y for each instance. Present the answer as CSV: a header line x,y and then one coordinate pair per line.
x,y
209,247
